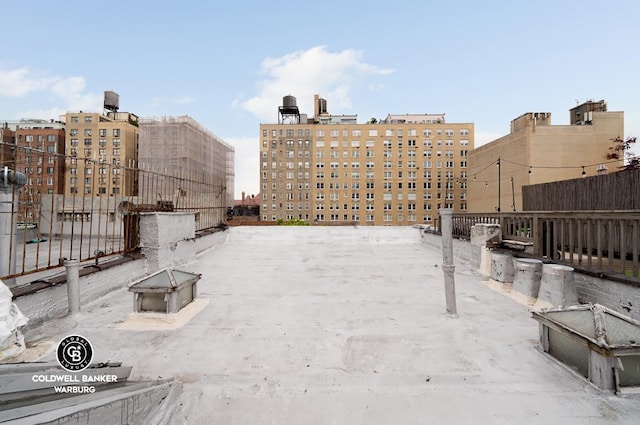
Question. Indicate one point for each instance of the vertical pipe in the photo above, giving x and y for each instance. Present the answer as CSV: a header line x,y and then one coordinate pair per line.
x,y
513,196
10,182
448,267
635,242
73,208
92,199
52,213
13,246
499,193
63,214
623,246
35,207
73,285
7,240
110,195
125,185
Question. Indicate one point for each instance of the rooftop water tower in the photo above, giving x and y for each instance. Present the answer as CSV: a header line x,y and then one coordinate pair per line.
x,y
288,113
111,101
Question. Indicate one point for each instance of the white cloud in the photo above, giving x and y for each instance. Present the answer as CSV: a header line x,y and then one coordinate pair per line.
x,y
305,73
184,100
51,113
20,82
482,138
69,91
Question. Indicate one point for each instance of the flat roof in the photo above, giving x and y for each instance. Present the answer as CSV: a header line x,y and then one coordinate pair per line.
x,y
319,324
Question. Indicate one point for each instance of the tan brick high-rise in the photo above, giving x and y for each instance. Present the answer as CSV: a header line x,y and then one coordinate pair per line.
x,y
537,152
101,151
332,170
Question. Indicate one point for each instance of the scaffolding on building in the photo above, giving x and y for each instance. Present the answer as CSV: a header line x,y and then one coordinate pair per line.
x,y
181,147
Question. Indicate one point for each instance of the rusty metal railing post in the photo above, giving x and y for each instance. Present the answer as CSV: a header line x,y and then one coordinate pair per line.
x,y
448,267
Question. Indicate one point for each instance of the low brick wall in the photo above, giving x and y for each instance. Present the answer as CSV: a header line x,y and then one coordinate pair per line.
x,y
619,296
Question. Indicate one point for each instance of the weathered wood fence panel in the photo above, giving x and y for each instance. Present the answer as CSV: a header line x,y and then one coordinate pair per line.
x,y
614,191
596,240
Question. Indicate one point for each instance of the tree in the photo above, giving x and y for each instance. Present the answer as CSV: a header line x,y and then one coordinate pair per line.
x,y
621,150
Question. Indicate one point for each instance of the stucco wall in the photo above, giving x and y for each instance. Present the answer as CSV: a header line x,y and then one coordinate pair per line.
x,y
462,250
160,235
174,252
51,303
156,404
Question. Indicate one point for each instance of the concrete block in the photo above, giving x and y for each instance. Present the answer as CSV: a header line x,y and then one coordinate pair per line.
x,y
481,235
160,235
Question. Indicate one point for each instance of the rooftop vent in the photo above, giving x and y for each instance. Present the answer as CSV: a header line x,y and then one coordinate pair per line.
x,y
166,291
596,342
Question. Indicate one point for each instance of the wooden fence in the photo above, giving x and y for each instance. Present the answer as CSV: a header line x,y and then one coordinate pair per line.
x,y
595,240
614,191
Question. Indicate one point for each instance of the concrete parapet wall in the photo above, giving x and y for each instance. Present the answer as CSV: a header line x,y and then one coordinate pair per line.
x,y
156,404
461,249
52,302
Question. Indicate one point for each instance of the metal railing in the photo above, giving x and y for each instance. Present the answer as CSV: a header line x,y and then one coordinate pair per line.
x,y
595,240
96,214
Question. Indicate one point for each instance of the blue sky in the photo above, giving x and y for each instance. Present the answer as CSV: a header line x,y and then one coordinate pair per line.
x,y
227,64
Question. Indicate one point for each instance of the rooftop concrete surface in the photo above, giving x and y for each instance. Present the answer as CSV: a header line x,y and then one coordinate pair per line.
x,y
344,325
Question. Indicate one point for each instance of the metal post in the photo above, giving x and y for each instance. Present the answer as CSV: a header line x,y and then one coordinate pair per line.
x,y
73,285
499,177
10,182
7,238
447,260
513,196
